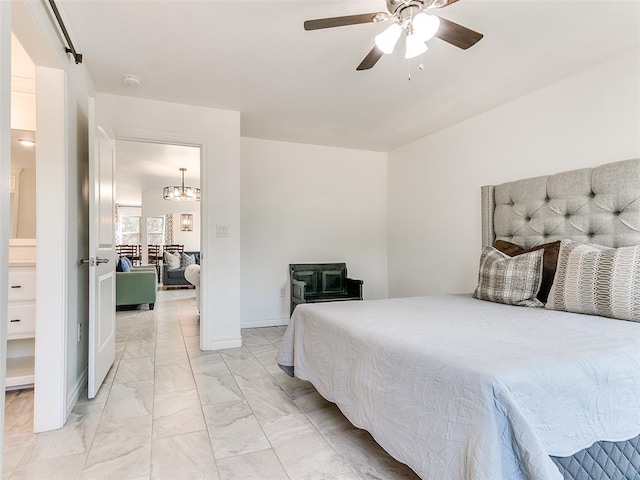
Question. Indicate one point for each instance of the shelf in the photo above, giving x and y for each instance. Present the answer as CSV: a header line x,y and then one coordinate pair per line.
x,y
20,372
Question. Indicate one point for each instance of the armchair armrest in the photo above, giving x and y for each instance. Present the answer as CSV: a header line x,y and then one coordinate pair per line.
x,y
354,287
141,268
297,288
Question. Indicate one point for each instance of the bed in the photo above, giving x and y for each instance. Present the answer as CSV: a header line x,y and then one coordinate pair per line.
x,y
460,388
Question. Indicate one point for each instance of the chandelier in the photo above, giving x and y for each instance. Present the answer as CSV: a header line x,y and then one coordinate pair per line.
x,y
181,193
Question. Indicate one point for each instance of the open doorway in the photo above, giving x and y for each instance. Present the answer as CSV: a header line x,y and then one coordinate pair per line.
x,y
153,226
21,328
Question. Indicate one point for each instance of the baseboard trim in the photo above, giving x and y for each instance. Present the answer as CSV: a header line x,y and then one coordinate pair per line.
x,y
223,343
72,399
265,322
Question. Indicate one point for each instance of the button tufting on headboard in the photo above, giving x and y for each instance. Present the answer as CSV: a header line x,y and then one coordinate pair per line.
x,y
579,204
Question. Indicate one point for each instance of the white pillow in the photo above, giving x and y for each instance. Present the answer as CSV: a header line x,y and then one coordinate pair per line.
x,y
172,260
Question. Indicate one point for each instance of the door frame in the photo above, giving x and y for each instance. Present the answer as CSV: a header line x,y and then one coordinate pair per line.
x,y
135,134
32,25
52,262
5,171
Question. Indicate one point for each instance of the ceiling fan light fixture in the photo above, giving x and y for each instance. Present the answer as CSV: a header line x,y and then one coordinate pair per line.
x,y
386,41
425,26
415,46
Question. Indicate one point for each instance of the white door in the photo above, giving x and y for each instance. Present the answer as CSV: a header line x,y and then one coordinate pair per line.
x,y
102,277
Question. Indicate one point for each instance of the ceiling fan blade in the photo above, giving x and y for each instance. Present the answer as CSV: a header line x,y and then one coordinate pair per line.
x,y
461,37
371,59
344,21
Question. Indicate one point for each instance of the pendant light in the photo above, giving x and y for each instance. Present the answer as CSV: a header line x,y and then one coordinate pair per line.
x,y
181,193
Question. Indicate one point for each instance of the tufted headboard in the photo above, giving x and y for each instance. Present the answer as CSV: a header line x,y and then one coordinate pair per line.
x,y
592,205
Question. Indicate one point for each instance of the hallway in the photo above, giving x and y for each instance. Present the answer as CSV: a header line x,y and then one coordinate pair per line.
x,y
169,411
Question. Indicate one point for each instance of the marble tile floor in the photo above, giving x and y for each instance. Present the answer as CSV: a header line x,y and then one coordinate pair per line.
x,y
169,411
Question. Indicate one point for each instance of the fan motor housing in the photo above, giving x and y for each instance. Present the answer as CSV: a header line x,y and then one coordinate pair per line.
x,y
394,5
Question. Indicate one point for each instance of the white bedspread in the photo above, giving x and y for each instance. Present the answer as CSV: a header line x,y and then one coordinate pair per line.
x,y
459,388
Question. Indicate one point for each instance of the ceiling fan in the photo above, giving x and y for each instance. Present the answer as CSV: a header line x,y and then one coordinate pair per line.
x,y
409,17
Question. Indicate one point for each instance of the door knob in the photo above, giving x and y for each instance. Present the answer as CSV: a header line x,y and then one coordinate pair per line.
x,y
92,261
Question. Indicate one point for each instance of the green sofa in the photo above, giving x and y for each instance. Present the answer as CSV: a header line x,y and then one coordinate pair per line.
x,y
136,287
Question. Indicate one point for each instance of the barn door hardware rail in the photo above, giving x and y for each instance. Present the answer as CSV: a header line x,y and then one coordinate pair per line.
x,y
70,49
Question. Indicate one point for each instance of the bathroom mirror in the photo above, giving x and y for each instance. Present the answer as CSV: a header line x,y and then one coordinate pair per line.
x,y
23,184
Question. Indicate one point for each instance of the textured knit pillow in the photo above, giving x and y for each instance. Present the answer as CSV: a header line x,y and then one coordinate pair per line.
x,y
597,282
172,260
186,260
549,261
510,280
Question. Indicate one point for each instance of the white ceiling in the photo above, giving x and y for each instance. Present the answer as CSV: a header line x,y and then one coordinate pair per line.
x,y
143,166
292,85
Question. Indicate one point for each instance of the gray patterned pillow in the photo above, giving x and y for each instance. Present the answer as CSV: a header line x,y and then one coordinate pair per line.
x,y
510,280
186,260
597,282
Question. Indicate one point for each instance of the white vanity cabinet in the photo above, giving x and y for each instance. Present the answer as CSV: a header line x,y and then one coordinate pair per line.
x,y
21,327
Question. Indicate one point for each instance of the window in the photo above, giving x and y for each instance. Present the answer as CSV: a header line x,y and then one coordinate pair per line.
x,y
155,230
130,230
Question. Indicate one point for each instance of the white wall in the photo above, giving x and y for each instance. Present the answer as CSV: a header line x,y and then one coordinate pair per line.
x,y
190,240
304,204
153,205
79,88
23,111
24,159
217,132
434,183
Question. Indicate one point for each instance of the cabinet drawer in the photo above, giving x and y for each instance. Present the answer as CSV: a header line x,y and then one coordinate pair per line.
x,y
21,320
22,283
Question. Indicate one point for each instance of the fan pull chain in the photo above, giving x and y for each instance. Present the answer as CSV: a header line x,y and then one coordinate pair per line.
x,y
420,66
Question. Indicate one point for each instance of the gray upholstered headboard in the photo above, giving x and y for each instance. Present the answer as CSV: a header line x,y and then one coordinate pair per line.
x,y
591,205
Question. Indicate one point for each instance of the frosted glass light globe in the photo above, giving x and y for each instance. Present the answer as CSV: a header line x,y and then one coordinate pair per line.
x,y
415,46
425,26
386,41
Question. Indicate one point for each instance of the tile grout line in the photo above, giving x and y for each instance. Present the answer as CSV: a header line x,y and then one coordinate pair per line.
x,y
251,408
310,421
153,400
204,418
95,433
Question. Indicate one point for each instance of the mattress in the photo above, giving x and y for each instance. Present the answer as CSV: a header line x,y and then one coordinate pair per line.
x,y
460,388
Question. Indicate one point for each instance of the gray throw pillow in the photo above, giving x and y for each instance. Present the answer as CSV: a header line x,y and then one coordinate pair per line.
x,y
510,280
172,260
186,260
597,282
